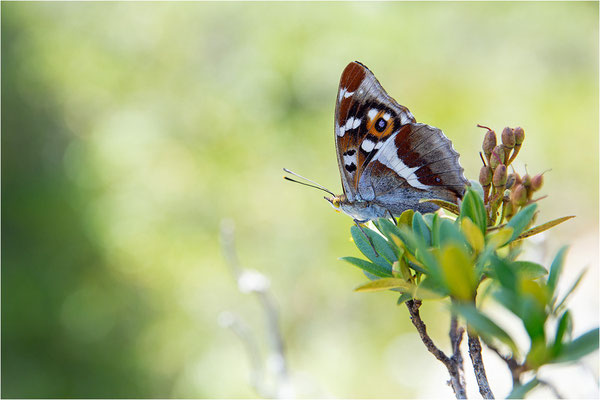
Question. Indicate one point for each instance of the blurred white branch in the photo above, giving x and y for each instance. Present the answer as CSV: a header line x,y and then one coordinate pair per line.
x,y
250,281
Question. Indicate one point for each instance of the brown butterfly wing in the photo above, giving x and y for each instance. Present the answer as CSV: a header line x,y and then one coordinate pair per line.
x,y
417,162
386,157
365,117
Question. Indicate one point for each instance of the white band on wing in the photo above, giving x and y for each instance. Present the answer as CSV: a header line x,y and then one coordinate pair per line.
x,y
388,156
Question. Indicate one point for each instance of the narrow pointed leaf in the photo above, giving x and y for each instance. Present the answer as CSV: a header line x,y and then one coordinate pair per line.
x,y
459,272
430,289
544,227
485,326
555,269
421,229
499,238
520,391
476,187
435,230
403,298
406,218
472,206
449,233
521,221
446,205
472,234
529,270
369,267
385,284
385,255
583,345
562,328
572,289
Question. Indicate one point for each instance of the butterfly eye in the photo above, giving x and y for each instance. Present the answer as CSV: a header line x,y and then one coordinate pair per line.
x,y
380,125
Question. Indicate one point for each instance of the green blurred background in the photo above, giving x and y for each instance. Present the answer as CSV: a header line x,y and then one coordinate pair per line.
x,y
130,130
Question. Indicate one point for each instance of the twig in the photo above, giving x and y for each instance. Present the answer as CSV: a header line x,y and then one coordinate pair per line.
x,y
241,330
515,368
275,335
453,369
456,336
478,368
258,284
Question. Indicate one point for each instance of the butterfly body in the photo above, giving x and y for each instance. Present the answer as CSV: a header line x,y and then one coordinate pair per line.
x,y
388,162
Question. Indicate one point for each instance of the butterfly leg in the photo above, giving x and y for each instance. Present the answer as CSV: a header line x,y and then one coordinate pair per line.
x,y
393,219
357,222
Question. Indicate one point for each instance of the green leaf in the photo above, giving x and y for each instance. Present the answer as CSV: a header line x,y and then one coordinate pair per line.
x,y
369,267
370,276
503,273
403,298
579,347
417,267
385,284
406,218
538,354
431,289
564,326
381,223
476,186
472,207
508,299
472,234
449,233
533,316
416,246
499,238
420,228
398,234
384,257
529,270
544,227
446,205
521,221
555,270
428,218
459,272
520,391
435,230
484,326
571,290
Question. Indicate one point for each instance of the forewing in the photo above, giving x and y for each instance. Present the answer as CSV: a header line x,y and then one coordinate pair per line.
x,y
365,117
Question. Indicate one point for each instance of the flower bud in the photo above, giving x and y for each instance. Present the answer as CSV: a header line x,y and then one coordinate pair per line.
x,y
497,156
509,209
519,195
537,182
519,135
500,176
489,142
508,138
511,180
526,181
485,176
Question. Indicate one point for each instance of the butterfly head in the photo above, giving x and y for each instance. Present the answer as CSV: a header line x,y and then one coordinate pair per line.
x,y
336,201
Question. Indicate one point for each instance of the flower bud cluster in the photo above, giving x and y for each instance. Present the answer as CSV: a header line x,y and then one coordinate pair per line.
x,y
501,189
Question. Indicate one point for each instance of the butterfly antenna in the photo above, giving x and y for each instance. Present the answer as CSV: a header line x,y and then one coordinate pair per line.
x,y
314,184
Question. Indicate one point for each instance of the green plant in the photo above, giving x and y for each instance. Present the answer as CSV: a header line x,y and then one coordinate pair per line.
x,y
473,255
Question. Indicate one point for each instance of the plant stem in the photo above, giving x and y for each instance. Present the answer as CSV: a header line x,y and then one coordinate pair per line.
x,y
456,336
456,381
478,368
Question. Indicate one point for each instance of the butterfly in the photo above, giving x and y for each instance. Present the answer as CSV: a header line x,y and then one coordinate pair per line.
x,y
388,162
